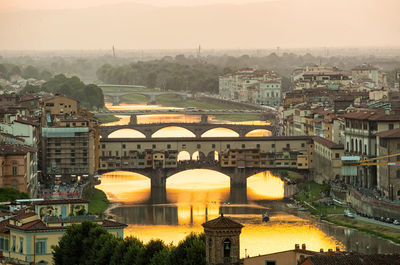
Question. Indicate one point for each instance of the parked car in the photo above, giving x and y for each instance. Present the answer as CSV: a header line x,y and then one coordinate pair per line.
x,y
396,222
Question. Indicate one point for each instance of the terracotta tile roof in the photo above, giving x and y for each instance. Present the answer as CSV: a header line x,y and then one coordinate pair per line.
x,y
357,259
222,222
358,115
65,201
14,149
3,226
28,121
395,133
328,143
110,223
36,225
23,216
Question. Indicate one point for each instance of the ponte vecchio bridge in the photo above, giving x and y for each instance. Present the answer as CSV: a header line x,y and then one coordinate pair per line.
x,y
236,157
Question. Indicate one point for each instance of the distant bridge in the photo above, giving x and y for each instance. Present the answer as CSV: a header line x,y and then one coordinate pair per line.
x,y
198,129
116,95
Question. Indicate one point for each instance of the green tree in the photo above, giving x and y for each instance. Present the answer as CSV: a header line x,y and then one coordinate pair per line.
x,y
45,75
30,72
77,244
8,194
3,72
30,89
150,249
15,70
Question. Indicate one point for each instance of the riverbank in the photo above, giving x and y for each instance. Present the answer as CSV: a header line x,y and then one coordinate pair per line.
x,y
311,196
107,119
373,229
99,203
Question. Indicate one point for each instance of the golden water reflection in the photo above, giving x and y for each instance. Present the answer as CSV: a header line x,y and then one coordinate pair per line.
x,y
264,186
195,196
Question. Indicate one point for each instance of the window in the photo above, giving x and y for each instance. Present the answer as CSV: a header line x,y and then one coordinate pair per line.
x,y
138,146
258,145
40,247
398,173
21,245
168,146
58,160
287,145
14,239
1,243
14,171
154,146
336,155
183,146
243,146
273,145
270,262
116,153
103,146
213,146
227,248
228,146
123,146
391,126
198,146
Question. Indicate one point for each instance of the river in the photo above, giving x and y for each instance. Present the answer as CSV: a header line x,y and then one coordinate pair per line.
x,y
195,196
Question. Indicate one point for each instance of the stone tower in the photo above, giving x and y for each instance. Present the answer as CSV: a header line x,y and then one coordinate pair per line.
x,y
222,241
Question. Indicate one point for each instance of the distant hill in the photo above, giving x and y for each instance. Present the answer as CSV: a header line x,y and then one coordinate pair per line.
x,y
285,23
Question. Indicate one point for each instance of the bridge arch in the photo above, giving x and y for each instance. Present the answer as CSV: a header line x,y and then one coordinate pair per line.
x,y
258,133
198,156
184,156
265,185
126,133
213,156
173,131
220,132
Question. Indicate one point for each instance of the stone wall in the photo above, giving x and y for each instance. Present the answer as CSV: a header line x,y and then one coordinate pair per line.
x,y
373,207
322,172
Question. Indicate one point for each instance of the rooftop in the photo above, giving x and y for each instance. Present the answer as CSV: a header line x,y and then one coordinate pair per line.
x,y
328,143
222,222
395,133
354,259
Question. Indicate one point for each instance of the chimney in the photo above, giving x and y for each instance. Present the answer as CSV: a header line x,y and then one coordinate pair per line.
x,y
297,246
303,246
321,250
388,111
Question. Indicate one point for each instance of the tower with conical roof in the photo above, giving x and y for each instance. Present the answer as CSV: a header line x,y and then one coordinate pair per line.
x,y
222,241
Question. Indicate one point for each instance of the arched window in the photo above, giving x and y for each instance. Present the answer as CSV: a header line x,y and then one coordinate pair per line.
x,y
398,193
360,147
227,248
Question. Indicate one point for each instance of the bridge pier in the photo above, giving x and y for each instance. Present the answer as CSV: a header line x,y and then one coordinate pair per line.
x,y
204,118
238,189
133,119
158,186
116,100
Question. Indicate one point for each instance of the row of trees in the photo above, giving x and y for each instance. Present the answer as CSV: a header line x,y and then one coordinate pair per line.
x,y
89,243
165,74
7,71
90,96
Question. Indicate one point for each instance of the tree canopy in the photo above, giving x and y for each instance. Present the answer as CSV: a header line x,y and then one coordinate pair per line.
x,y
89,243
8,194
90,96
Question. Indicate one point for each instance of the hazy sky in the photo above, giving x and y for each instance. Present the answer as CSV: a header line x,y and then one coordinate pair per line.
x,y
175,24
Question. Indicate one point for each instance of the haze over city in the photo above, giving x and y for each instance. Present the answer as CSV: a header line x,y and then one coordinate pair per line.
x,y
213,24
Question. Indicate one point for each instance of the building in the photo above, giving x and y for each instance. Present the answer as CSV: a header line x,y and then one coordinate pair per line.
x,y
70,140
222,241
327,160
360,139
353,259
27,237
288,257
250,85
388,181
369,74
18,168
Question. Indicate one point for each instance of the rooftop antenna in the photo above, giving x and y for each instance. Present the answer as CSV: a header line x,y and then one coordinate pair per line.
x,y
199,52
113,50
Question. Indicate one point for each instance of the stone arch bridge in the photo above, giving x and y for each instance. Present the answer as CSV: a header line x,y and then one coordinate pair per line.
x,y
198,129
